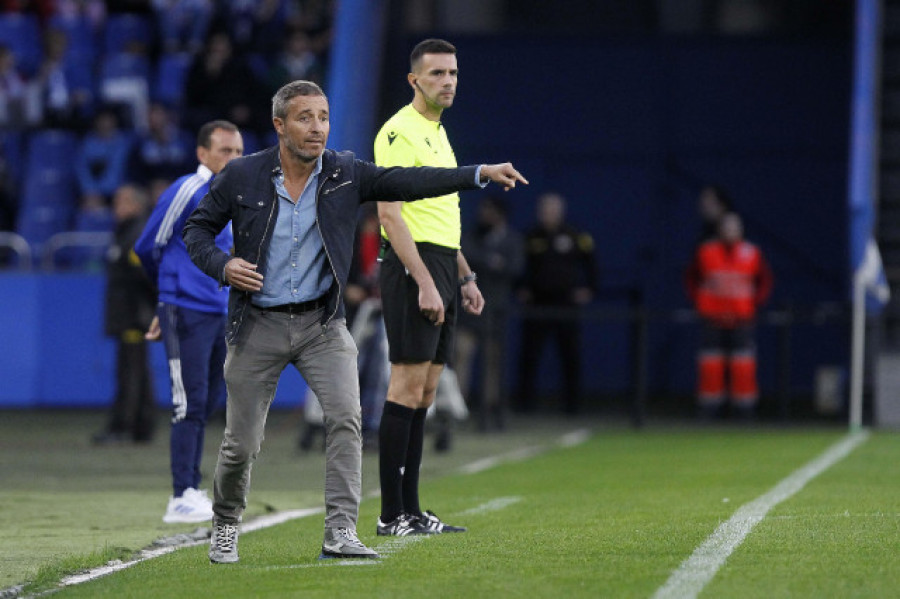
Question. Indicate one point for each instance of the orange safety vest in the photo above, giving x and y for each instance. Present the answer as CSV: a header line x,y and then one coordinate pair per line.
x,y
728,277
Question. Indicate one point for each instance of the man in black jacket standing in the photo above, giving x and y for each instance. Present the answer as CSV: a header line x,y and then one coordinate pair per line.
x,y
293,210
130,306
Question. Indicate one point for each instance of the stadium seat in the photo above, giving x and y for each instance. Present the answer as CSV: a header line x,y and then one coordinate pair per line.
x,y
21,33
83,249
82,40
171,70
49,190
125,28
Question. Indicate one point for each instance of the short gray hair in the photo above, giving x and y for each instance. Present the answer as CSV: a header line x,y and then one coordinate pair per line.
x,y
290,91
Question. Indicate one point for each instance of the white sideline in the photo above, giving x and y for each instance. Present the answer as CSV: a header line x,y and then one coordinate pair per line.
x,y
567,440
145,554
696,571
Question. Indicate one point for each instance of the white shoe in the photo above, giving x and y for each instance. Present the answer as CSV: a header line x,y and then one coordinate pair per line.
x,y
189,508
199,498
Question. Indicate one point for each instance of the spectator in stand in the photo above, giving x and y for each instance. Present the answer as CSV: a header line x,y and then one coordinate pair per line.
x,y
222,86
103,156
253,25
182,24
560,277
130,303
497,252
296,61
727,281
92,10
54,100
164,152
12,91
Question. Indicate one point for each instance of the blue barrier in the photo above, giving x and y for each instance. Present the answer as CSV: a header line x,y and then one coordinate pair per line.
x,y
53,352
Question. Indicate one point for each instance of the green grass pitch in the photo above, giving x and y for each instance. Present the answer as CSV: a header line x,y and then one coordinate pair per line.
x,y
613,516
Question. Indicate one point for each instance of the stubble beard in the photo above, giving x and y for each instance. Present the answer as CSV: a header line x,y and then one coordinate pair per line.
x,y
297,153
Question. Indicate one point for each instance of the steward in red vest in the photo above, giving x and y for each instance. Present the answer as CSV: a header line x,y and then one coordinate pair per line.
x,y
728,280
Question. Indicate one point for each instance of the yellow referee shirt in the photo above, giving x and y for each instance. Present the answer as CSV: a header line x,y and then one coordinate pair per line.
x,y
409,139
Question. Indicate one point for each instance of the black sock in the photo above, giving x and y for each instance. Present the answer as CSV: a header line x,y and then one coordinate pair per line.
x,y
393,440
414,462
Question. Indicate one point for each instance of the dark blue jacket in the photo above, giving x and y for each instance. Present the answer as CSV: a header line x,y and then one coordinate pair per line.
x,y
244,193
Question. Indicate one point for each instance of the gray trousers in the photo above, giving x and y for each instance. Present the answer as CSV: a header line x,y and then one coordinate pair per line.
x,y
326,358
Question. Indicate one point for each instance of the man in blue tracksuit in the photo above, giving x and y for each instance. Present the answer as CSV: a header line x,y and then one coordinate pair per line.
x,y
190,317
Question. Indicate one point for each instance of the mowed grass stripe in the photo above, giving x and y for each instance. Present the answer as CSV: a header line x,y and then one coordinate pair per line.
x,y
612,517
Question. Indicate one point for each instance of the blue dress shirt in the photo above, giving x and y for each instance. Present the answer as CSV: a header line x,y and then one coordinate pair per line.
x,y
297,268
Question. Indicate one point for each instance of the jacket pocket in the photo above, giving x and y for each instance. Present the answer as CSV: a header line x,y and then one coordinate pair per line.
x,y
250,208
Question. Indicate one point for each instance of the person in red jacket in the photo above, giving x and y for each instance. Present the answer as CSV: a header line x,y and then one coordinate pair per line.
x,y
728,280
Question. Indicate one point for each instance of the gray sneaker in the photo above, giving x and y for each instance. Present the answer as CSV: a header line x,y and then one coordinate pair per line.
x,y
223,543
343,543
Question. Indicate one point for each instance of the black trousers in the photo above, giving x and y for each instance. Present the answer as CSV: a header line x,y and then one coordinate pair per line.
x,y
133,409
535,335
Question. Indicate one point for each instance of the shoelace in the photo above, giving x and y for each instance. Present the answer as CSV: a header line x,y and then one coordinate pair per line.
x,y
349,536
225,535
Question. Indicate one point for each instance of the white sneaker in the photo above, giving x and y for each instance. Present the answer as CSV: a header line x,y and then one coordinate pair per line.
x,y
199,498
189,508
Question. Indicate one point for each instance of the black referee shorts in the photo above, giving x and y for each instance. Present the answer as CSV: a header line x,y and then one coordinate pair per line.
x,y
412,338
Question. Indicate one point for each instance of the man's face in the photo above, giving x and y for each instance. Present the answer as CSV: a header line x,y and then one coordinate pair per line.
x,y
731,229
435,77
304,129
224,146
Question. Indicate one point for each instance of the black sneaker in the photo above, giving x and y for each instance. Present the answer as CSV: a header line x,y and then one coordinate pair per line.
x,y
433,525
401,526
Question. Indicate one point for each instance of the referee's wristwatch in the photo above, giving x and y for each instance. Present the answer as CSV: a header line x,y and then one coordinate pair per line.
x,y
468,278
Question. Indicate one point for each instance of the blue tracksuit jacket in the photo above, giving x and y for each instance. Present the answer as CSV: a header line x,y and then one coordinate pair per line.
x,y
164,255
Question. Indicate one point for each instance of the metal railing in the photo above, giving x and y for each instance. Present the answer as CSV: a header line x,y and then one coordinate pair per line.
x,y
71,240
17,243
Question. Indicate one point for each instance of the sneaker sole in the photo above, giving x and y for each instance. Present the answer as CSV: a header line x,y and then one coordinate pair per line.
x,y
187,519
227,560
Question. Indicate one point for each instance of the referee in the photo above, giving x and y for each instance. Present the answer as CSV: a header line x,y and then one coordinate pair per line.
x,y
422,267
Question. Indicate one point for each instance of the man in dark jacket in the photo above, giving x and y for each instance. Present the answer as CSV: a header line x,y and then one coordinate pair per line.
x,y
293,211
560,276
130,304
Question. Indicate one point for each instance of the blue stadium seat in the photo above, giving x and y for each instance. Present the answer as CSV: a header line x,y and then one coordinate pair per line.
x,y
80,71
22,34
122,65
82,39
49,189
81,253
124,28
171,70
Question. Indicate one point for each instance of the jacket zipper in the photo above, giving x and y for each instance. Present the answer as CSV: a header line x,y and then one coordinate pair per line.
x,y
327,253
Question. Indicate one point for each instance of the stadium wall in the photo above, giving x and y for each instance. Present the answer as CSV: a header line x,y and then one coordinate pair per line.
x,y
54,353
629,129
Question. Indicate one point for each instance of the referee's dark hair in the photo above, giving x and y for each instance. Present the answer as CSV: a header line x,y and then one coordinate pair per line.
x,y
429,46
204,136
290,91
